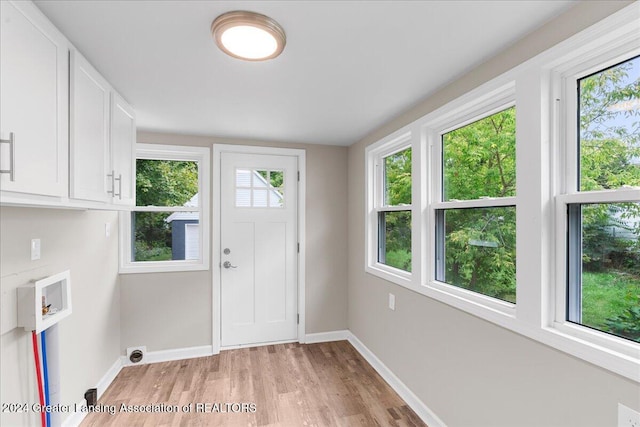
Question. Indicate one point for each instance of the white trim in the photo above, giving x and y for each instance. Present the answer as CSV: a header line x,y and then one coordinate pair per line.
x,y
256,344
485,202
170,355
327,336
404,138
414,402
108,377
218,149
75,418
171,152
605,196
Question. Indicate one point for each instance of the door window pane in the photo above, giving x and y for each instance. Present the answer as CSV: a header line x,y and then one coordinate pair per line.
x,y
259,188
260,198
243,178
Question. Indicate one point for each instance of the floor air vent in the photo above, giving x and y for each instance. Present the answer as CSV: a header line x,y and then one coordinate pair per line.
x,y
136,354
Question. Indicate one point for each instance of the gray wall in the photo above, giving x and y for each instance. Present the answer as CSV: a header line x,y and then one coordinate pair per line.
x,y
184,299
90,337
468,371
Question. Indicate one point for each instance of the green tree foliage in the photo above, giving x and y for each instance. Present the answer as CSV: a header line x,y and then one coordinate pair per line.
x,y
479,159
165,182
397,168
397,225
160,183
610,159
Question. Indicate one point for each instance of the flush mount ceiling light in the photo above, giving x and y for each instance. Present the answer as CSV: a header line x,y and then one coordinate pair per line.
x,y
248,35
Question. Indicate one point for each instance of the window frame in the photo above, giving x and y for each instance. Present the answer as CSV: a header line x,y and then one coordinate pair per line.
x,y
200,155
569,195
375,181
483,106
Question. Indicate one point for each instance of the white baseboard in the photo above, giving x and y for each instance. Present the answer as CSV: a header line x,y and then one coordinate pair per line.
x,y
260,344
418,406
108,378
75,418
173,354
326,337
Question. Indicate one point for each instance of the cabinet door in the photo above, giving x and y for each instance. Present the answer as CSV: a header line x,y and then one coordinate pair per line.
x,y
90,175
123,138
33,102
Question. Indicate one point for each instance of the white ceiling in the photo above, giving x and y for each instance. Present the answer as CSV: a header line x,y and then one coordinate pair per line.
x,y
348,66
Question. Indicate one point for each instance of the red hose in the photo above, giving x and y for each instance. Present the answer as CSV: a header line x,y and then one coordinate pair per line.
x,y
36,358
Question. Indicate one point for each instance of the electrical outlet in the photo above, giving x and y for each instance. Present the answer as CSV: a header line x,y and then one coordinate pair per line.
x,y
627,417
35,249
392,302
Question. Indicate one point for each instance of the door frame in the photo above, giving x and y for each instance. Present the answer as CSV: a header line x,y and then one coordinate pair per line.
x,y
216,269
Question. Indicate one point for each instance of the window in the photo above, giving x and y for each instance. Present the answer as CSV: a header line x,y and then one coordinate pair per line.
x,y
476,219
603,213
168,228
259,188
391,216
549,219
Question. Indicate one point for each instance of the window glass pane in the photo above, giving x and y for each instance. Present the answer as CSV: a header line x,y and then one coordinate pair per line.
x,y
163,236
610,127
260,198
479,248
243,197
260,178
479,160
397,178
243,178
608,291
166,183
276,178
276,198
395,239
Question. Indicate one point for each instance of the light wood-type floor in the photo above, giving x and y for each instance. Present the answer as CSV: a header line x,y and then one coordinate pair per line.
x,y
327,384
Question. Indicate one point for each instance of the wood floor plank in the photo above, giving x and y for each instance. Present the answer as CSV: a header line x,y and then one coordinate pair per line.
x,y
326,384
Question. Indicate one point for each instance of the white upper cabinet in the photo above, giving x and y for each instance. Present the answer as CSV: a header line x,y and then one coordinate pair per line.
x,y
33,103
123,138
102,139
90,163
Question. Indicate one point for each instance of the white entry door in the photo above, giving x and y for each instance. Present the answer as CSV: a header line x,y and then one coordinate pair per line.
x,y
258,248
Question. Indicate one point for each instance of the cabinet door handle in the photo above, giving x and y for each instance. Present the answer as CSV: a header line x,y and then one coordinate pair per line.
x,y
12,156
119,179
112,175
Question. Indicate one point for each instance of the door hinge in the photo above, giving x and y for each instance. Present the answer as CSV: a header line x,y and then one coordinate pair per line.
x,y
298,247
298,176
298,321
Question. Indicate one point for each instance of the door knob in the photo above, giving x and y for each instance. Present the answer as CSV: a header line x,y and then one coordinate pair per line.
x,y
227,264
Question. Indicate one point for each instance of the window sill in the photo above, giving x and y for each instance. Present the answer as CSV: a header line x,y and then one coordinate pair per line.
x,y
394,275
163,267
473,302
